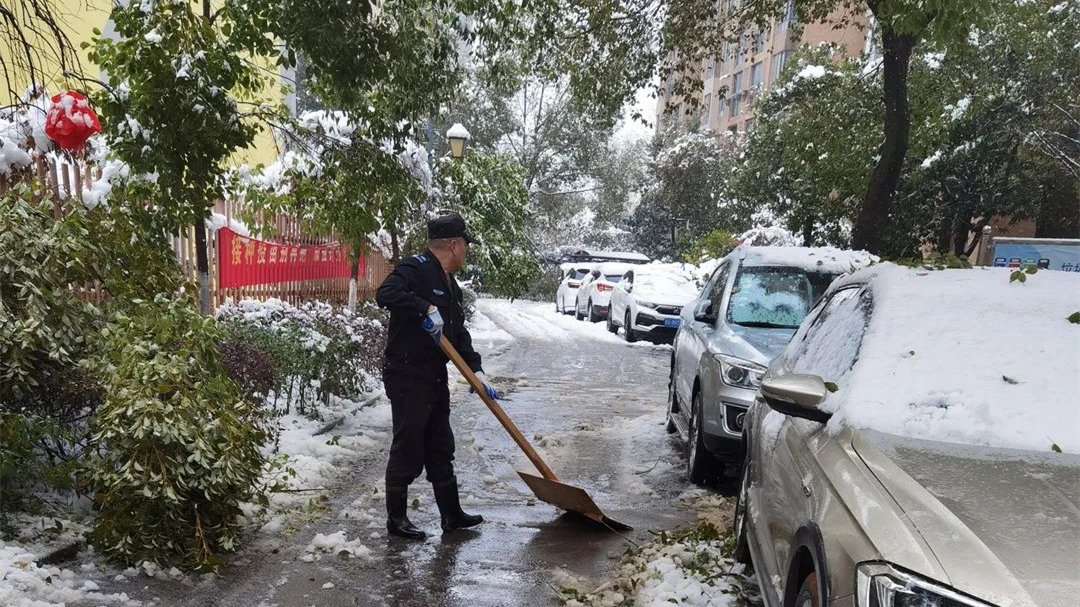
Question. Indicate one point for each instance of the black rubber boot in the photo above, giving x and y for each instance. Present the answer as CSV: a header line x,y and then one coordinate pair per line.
x,y
397,521
453,517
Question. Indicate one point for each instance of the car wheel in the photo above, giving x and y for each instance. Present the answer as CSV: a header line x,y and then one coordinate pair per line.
x,y
577,311
593,316
742,539
702,466
809,594
631,336
611,327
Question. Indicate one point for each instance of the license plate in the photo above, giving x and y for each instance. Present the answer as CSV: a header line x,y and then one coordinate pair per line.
x,y
671,322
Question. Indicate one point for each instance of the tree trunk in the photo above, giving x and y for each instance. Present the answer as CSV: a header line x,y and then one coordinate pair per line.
x,y
202,266
395,248
870,225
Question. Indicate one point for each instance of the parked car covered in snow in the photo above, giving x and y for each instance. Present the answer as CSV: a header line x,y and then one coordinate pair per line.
x,y
572,275
918,443
594,294
745,315
647,302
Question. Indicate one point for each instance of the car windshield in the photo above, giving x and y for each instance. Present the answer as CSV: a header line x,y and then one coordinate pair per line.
x,y
775,297
665,284
613,277
577,274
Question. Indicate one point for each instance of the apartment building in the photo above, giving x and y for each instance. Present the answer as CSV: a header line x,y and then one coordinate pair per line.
x,y
744,69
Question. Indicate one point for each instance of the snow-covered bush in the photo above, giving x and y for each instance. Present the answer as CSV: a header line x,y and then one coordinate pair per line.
x,y
316,350
178,445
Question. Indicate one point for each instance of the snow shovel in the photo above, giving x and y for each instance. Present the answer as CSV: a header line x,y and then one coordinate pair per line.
x,y
546,487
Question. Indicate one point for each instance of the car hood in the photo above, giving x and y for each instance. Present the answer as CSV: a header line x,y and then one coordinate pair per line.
x,y
1004,524
664,298
758,344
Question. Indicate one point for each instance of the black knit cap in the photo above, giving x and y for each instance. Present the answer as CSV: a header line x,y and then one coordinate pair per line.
x,y
448,226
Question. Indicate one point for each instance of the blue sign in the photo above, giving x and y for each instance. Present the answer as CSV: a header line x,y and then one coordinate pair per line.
x,y
1045,256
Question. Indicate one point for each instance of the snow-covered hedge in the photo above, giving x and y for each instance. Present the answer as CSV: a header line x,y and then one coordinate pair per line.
x,y
314,351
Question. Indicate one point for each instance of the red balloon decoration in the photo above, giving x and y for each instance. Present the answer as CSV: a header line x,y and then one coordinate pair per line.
x,y
71,121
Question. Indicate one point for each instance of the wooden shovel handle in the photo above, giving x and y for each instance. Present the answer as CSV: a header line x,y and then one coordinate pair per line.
x,y
504,419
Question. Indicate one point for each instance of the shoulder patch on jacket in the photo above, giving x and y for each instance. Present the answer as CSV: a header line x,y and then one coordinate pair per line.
x,y
420,258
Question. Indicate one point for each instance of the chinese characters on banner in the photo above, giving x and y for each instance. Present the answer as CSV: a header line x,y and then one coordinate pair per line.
x,y
244,261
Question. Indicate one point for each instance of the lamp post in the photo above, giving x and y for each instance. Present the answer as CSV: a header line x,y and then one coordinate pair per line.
x,y
458,136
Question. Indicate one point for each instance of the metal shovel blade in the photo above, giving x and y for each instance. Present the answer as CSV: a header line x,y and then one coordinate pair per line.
x,y
569,498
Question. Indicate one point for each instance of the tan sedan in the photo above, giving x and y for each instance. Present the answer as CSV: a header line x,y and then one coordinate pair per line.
x,y
831,514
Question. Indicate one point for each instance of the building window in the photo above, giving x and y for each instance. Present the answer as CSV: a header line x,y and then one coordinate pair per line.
x,y
789,15
755,75
736,93
725,58
748,125
710,68
742,51
706,111
778,61
759,41
670,86
721,109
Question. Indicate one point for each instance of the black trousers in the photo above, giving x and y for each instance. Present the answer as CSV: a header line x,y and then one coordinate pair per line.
x,y
422,434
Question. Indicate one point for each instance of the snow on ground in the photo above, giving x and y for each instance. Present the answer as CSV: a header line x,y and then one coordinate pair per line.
x,y
336,545
688,567
24,583
539,321
312,462
963,356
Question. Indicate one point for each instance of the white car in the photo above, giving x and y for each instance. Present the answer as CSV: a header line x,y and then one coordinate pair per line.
x,y
572,275
595,291
647,304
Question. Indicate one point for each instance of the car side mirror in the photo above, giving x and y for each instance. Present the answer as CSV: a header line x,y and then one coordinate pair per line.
x,y
796,395
703,312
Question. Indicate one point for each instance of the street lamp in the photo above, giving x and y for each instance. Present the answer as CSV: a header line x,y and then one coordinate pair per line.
x,y
458,136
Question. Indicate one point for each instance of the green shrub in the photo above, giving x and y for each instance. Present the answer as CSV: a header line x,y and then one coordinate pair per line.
x,y
317,350
179,447
42,320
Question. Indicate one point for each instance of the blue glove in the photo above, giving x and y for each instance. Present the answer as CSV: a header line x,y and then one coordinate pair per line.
x,y
433,323
492,394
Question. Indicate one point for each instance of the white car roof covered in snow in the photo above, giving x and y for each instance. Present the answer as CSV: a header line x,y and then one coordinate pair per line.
x,y
817,259
607,269
959,356
584,265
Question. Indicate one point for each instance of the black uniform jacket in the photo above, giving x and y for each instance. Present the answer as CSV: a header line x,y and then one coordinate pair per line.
x,y
416,284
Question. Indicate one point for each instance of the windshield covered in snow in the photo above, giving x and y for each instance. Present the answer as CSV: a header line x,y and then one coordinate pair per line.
x,y
775,297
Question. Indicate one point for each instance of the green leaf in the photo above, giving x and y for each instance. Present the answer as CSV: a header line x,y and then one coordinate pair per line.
x,y
1074,318
1009,380
1055,448
831,387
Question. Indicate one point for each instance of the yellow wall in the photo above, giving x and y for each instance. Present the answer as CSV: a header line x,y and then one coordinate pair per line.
x,y
78,20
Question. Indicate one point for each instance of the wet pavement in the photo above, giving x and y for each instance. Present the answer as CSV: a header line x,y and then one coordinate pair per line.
x,y
593,407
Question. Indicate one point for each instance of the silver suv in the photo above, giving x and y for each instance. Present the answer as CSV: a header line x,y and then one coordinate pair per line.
x,y
745,315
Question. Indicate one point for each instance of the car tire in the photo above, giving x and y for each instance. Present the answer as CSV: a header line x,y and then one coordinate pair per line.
x,y
577,312
611,326
701,466
593,316
631,336
742,538
809,594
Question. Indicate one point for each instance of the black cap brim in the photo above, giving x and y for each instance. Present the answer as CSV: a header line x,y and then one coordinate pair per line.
x,y
470,239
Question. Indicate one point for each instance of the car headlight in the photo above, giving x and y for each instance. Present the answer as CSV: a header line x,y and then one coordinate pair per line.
x,y
880,585
646,304
740,373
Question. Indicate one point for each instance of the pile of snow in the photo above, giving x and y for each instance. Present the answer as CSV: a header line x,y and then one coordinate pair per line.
x,y
540,321
335,544
689,570
24,583
965,356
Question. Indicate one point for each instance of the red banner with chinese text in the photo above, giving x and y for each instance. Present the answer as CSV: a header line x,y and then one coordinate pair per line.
x,y
244,261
